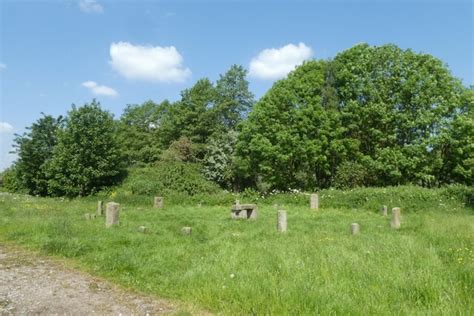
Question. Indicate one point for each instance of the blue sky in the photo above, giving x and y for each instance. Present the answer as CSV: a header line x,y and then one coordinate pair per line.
x,y
55,53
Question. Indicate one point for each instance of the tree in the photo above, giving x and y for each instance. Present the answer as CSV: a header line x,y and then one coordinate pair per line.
x,y
219,161
35,149
455,145
87,156
233,98
393,103
290,139
192,117
137,132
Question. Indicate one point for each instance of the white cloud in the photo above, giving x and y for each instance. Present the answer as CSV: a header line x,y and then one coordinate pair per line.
x,y
149,63
3,66
5,128
90,6
99,90
276,63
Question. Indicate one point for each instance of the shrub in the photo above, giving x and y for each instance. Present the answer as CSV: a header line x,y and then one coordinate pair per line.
x,y
165,178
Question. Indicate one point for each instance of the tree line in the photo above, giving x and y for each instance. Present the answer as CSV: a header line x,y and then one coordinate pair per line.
x,y
372,116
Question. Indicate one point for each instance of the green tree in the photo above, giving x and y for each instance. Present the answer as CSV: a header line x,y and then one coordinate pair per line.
x,y
219,161
35,149
192,116
87,156
393,102
455,145
138,132
233,98
291,138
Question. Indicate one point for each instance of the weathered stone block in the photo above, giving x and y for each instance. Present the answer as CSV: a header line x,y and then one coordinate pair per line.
x,y
355,228
186,230
100,208
143,229
246,211
112,214
384,210
281,221
158,203
314,201
395,222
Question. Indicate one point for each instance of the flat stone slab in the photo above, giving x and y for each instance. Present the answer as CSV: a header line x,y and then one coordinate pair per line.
x,y
245,211
241,207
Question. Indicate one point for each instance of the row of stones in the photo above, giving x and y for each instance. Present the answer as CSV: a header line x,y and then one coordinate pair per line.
x,y
113,211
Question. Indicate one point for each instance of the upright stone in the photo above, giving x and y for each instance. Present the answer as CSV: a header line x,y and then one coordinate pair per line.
x,y
395,222
281,221
87,216
314,203
100,208
112,214
383,210
158,202
355,228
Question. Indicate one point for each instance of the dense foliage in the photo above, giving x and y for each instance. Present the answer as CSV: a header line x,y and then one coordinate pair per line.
x,y
372,116
87,156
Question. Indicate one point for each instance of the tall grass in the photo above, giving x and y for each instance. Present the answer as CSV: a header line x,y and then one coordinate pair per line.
x,y
246,267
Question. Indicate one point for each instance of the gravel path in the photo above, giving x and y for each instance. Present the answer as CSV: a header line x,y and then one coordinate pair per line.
x,y
30,284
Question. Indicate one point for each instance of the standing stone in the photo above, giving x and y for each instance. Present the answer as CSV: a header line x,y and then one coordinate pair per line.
x,y
87,216
314,203
281,221
355,228
383,210
186,230
395,222
112,214
158,202
100,208
237,202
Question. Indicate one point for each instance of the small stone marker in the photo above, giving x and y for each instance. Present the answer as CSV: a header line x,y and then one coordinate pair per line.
x,y
383,210
87,216
355,229
92,215
186,230
247,211
314,202
281,221
395,221
112,214
158,202
143,229
100,208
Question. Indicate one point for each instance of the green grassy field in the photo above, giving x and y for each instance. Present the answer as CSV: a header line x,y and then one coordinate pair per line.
x,y
247,267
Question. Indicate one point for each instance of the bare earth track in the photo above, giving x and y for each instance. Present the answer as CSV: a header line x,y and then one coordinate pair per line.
x,y
30,284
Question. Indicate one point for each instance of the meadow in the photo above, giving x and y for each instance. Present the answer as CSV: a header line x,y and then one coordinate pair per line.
x,y
246,267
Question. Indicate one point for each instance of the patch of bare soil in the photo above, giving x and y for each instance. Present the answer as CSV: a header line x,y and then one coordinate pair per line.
x,y
30,284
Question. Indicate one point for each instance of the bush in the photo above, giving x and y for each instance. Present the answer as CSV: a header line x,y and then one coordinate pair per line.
x,y
168,178
350,175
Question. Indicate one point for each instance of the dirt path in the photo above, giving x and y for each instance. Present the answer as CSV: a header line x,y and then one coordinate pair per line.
x,y
30,284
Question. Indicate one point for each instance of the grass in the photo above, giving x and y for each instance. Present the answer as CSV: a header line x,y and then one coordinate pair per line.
x,y
246,267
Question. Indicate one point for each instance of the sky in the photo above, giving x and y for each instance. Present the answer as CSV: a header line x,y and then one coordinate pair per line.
x,y
57,53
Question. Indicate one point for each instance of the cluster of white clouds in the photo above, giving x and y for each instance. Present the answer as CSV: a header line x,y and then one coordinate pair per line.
x,y
90,6
5,128
148,63
276,63
97,89
166,64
